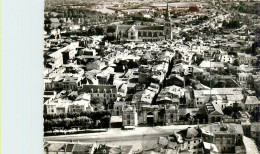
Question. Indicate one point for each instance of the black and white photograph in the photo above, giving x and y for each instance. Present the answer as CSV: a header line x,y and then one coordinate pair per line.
x,y
151,77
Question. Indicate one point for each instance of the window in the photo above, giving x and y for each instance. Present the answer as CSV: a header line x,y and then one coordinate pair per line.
x,y
128,116
128,122
188,142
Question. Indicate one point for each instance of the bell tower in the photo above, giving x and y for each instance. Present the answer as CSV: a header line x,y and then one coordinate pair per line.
x,y
168,24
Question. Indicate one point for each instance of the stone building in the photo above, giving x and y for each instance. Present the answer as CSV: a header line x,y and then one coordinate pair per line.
x,y
171,114
214,112
252,104
140,33
129,116
184,141
149,115
107,93
145,74
228,138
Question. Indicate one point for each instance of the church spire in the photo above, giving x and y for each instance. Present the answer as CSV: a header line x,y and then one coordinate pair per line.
x,y
168,16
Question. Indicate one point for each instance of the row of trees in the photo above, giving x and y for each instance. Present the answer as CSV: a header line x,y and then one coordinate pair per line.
x,y
199,20
98,30
67,123
231,24
84,120
92,115
144,19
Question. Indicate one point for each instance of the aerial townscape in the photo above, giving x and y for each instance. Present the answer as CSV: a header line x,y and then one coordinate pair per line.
x,y
151,77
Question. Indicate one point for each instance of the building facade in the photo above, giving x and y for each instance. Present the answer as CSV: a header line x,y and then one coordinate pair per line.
x,y
129,116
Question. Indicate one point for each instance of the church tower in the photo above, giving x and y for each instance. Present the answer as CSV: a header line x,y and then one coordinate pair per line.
x,y
257,35
168,24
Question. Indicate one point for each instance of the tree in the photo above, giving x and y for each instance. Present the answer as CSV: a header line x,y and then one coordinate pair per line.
x,y
99,30
97,103
231,24
67,123
187,116
47,125
105,122
83,122
61,21
193,9
109,38
201,115
91,31
236,63
228,110
47,21
73,115
111,29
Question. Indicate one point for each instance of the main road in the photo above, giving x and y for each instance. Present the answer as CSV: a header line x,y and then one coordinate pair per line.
x,y
141,138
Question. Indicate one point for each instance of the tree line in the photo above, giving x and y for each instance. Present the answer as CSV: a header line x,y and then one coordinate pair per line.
x,y
84,120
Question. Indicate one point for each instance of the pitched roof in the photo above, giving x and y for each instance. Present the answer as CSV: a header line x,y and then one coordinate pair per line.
x,y
210,146
140,27
252,100
124,149
214,109
190,132
208,64
152,28
82,148
54,147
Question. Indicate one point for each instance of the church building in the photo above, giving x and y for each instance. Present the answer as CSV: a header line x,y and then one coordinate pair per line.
x,y
141,33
